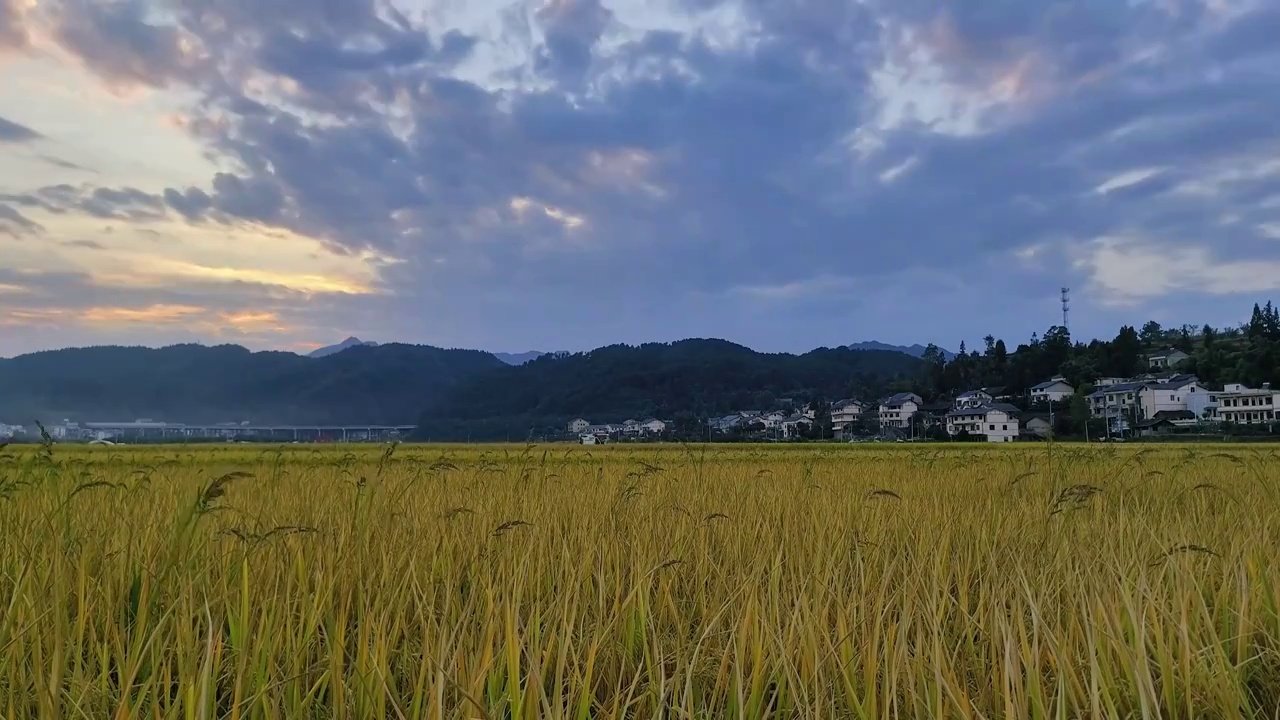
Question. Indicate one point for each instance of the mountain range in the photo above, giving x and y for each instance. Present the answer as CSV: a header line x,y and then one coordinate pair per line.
x,y
350,342
916,350
455,394
519,358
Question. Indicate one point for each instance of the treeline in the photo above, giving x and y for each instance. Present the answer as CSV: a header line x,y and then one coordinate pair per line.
x,y
1248,353
384,385
671,381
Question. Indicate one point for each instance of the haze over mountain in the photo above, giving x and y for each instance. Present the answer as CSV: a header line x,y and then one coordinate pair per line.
x,y
519,358
331,349
387,384
695,377
916,350
396,383
514,173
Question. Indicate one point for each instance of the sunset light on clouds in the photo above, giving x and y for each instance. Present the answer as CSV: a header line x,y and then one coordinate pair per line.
x,y
563,174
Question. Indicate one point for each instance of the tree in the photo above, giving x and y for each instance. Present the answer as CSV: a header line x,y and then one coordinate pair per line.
x,y
935,365
820,428
1257,323
1184,342
1152,334
1126,353
1078,409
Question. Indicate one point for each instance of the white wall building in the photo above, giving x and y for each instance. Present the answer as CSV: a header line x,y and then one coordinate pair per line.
x,y
898,411
972,399
1055,390
1184,393
1248,406
997,422
1166,359
846,412
654,426
578,426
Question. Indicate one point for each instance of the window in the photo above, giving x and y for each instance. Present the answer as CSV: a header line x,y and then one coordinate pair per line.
x,y
1006,427
993,427
1173,398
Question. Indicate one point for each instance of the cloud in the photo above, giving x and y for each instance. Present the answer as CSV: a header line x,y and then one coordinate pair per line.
x,y
1127,271
129,204
118,41
750,149
12,132
14,224
13,30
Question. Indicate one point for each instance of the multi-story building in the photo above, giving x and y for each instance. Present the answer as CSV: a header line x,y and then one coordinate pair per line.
x,y
897,411
997,422
1055,390
845,414
972,399
577,426
1167,358
1117,404
1175,394
1248,406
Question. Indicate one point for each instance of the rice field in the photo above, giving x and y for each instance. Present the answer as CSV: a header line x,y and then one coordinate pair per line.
x,y
610,582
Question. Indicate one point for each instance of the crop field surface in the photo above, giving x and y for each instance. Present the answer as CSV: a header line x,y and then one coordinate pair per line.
x,y
558,581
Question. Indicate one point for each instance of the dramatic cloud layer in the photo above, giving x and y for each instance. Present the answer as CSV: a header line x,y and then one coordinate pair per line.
x,y
566,173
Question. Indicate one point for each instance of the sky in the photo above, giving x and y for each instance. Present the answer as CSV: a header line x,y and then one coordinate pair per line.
x,y
564,174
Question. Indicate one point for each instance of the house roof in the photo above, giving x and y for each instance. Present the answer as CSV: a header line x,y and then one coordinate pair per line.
x,y
1118,389
1050,383
842,404
985,408
972,393
1175,415
901,398
1165,353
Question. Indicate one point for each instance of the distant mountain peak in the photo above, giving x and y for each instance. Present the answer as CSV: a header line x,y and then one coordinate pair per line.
x,y
916,350
333,349
519,358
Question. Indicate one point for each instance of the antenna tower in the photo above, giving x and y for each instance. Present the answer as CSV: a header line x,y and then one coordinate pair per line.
x,y
1066,306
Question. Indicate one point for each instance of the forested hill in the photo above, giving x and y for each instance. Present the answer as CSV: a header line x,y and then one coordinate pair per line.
x,y
388,384
692,377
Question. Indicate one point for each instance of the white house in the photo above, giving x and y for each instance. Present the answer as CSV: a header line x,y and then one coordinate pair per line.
x,y
602,432
1055,390
1177,394
1118,404
577,426
1167,358
845,413
654,426
1248,406
795,425
972,399
996,422
898,411
1037,424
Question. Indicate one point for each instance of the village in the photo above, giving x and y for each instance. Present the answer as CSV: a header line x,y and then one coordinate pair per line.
x,y
1162,401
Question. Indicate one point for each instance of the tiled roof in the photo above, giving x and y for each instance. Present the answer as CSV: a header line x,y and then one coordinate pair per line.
x,y
982,410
